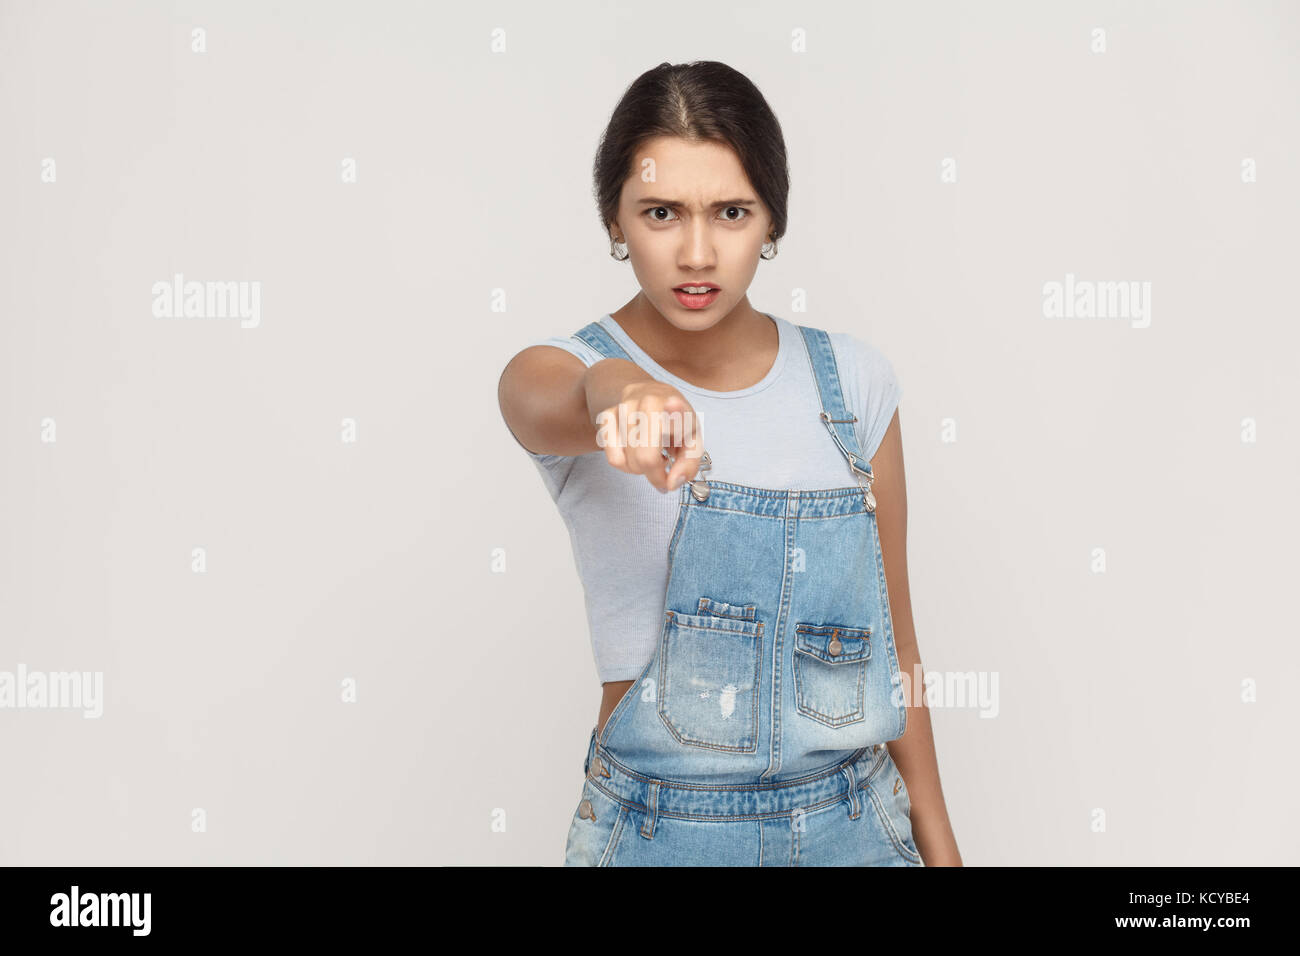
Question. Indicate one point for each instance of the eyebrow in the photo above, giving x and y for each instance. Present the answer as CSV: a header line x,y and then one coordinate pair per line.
x,y
678,203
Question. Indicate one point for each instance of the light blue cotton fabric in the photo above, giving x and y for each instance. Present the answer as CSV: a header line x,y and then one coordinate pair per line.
x,y
766,436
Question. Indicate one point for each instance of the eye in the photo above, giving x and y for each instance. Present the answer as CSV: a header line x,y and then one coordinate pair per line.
x,y
738,209
653,218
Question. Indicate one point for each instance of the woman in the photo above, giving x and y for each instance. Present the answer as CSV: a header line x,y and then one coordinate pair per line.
x,y
753,672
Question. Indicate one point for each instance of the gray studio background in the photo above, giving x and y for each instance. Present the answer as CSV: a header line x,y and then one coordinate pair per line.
x,y
1156,697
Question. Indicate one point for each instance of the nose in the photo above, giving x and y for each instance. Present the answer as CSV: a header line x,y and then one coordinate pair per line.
x,y
697,246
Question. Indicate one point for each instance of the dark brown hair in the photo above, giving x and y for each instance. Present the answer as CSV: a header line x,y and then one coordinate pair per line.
x,y
704,100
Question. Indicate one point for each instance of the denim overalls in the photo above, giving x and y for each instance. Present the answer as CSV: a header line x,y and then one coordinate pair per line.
x,y
755,736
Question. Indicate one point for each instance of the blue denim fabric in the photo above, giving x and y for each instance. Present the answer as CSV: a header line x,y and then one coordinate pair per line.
x,y
756,735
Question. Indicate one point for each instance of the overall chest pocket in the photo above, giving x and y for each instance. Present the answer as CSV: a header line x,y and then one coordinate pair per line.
x,y
709,667
830,672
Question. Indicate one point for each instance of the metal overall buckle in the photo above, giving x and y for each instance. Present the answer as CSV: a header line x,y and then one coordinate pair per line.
x,y
865,478
699,486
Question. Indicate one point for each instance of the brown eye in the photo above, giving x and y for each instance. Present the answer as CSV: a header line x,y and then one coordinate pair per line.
x,y
651,213
738,209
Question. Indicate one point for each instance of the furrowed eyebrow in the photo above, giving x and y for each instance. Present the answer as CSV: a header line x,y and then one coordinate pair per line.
x,y
678,204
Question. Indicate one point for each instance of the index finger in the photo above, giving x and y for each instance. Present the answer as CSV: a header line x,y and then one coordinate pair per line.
x,y
686,456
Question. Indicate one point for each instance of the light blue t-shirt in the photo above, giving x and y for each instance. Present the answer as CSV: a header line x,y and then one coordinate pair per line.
x,y
766,436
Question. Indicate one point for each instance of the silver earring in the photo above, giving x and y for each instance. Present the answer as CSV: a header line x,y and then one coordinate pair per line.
x,y
770,243
613,245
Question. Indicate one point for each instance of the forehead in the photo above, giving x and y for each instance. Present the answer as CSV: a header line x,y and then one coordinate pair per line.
x,y
687,171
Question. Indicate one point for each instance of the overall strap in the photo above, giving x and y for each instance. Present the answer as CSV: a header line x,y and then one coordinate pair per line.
x,y
600,340
835,413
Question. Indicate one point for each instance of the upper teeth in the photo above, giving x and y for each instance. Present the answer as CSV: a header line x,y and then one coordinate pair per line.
x,y
696,289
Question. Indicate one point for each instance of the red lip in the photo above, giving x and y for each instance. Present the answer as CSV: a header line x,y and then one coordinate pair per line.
x,y
698,285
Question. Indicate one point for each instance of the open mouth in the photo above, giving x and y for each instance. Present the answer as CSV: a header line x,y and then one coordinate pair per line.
x,y
697,299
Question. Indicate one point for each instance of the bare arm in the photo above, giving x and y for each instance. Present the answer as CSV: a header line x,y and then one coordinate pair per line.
x,y
552,404
913,752
544,397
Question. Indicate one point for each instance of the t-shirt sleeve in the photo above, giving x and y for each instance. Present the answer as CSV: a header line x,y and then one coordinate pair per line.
x,y
588,356
576,346
871,389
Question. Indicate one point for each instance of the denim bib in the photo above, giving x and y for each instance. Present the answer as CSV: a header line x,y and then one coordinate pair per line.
x,y
776,681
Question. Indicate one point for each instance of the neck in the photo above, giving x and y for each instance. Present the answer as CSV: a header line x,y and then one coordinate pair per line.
x,y
706,348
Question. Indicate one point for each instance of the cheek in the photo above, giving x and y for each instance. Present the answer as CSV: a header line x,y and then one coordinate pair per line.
x,y
744,270
655,264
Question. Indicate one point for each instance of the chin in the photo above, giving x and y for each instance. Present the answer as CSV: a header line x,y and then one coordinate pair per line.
x,y
693,323
695,320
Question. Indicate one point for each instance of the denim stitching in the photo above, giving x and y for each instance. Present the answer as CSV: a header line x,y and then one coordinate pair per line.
x,y
621,707
889,826
813,648
752,491
855,806
737,511
808,810
708,606
888,619
607,857
684,621
651,813
807,709
775,756
750,628
809,778
853,717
